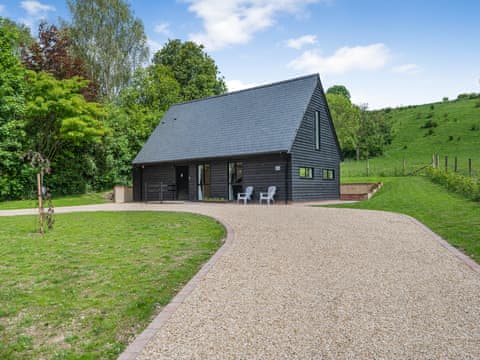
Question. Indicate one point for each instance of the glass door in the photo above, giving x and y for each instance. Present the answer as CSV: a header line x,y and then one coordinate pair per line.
x,y
203,181
235,179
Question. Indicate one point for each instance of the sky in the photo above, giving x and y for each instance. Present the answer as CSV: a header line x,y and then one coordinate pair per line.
x,y
386,52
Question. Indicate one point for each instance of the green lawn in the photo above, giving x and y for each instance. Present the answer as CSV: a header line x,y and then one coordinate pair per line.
x,y
457,133
83,290
451,216
72,200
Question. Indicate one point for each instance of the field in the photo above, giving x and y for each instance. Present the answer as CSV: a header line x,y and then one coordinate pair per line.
x,y
451,216
448,129
86,288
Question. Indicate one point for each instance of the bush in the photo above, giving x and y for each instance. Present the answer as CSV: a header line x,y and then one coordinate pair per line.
x,y
464,185
466,96
475,127
429,132
430,124
445,99
432,107
450,138
430,115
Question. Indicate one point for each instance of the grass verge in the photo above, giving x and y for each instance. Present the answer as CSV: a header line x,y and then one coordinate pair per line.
x,y
86,288
72,200
451,216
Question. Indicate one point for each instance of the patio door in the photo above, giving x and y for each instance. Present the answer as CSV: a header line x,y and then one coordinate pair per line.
x,y
203,181
235,179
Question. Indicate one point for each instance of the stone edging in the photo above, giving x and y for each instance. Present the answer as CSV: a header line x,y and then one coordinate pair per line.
x,y
457,253
136,347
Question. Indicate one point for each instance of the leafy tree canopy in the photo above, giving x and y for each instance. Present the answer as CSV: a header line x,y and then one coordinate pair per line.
x,y
195,71
339,90
12,135
58,115
111,41
53,53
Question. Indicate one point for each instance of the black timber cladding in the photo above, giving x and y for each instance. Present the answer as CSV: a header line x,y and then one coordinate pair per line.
x,y
304,153
259,171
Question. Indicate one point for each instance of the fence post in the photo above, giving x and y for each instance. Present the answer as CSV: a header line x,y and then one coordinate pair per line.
x,y
404,167
433,160
455,165
437,158
368,168
470,167
446,163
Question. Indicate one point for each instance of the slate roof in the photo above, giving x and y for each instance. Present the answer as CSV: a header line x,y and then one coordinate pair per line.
x,y
262,119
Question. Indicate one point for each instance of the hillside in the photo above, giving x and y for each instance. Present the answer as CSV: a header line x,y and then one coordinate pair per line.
x,y
449,128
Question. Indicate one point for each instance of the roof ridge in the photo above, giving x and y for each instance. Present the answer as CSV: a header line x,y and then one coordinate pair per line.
x,y
249,89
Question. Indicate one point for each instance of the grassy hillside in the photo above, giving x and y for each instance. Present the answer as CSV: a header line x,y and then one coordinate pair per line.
x,y
448,128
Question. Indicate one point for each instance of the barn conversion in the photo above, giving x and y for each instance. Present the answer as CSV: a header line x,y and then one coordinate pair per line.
x,y
279,134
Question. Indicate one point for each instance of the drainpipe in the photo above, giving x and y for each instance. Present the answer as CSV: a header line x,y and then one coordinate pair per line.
x,y
286,180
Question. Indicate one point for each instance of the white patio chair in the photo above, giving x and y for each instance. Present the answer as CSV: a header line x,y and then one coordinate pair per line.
x,y
245,196
268,196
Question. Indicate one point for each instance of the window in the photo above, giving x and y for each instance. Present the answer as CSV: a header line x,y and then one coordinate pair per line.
x,y
317,130
328,174
235,179
305,172
203,181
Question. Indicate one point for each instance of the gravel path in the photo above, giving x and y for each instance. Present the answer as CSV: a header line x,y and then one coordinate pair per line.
x,y
317,283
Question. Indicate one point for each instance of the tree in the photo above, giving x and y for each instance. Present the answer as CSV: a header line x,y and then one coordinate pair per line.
x,y
19,35
346,118
57,115
196,72
110,40
14,174
339,90
53,53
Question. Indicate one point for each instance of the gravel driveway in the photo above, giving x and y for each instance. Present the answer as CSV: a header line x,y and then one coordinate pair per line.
x,y
317,283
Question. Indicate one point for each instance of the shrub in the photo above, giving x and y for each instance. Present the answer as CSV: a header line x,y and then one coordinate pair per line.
x,y
445,99
464,185
475,127
429,116
430,124
466,96
450,138
429,132
432,107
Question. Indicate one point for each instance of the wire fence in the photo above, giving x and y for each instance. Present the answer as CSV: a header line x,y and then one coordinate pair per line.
x,y
393,168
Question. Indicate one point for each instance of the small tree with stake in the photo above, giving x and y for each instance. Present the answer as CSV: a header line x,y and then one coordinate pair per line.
x,y
42,167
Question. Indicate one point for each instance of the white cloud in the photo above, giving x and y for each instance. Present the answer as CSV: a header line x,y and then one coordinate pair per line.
x,y
345,59
301,41
162,28
235,85
407,69
228,22
36,9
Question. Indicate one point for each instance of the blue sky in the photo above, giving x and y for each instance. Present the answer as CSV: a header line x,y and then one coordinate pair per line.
x,y
387,53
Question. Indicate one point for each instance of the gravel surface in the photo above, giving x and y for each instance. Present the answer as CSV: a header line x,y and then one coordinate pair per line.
x,y
317,283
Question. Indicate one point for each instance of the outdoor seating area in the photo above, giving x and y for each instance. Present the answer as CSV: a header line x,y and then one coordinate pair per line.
x,y
267,196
